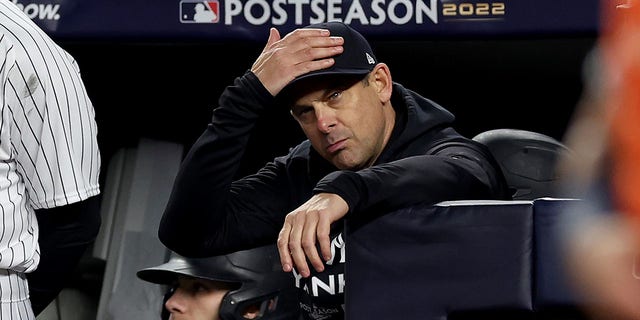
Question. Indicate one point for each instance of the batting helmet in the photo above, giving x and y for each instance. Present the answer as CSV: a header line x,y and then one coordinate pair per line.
x,y
257,272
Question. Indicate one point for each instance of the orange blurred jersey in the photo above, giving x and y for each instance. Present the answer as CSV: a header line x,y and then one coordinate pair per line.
x,y
620,41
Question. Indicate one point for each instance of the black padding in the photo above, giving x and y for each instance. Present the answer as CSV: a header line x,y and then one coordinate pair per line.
x,y
553,289
425,262
527,159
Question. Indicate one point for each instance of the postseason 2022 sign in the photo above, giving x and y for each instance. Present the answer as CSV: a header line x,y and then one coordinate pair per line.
x,y
251,19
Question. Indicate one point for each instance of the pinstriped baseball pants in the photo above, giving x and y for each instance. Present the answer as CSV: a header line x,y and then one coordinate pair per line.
x,y
14,296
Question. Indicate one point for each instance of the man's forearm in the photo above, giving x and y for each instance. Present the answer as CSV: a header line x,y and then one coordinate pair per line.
x,y
418,179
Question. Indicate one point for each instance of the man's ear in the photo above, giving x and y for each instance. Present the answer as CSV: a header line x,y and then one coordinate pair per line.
x,y
256,310
380,77
251,312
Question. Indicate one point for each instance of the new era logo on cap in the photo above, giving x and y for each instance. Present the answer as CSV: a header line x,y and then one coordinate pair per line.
x,y
370,59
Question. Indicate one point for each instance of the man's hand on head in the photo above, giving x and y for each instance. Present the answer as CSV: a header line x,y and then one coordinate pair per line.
x,y
304,227
299,52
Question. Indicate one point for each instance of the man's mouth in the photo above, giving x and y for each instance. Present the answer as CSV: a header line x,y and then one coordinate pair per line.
x,y
336,146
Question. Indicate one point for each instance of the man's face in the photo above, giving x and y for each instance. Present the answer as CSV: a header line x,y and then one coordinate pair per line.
x,y
196,299
347,122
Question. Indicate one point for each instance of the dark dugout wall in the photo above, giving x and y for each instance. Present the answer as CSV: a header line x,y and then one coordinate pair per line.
x,y
157,70
166,90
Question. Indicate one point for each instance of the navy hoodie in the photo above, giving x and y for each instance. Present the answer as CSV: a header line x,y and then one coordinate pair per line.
x,y
208,213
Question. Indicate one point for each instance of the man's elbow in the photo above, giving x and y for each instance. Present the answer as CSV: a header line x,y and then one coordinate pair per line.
x,y
184,243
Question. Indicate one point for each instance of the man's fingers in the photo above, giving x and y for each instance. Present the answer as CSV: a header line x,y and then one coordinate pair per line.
x,y
305,33
295,246
283,248
274,36
309,44
315,42
323,230
307,226
309,242
315,48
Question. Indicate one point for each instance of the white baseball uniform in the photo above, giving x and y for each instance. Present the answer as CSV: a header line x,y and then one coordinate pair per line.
x,y
49,155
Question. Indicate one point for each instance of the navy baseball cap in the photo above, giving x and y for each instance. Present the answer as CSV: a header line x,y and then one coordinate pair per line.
x,y
357,58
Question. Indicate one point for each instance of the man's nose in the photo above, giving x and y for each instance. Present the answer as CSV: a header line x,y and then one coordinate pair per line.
x,y
325,119
177,302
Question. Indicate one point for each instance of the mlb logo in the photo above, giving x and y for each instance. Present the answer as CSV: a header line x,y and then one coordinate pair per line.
x,y
198,11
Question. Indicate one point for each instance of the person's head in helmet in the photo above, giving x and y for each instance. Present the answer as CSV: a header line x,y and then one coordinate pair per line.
x,y
197,298
242,285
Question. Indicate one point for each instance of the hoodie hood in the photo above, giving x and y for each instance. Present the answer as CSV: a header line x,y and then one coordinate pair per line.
x,y
416,117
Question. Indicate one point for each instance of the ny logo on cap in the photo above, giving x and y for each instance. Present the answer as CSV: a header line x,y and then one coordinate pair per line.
x,y
370,58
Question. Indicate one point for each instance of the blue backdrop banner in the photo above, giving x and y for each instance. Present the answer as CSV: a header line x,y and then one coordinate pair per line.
x,y
251,19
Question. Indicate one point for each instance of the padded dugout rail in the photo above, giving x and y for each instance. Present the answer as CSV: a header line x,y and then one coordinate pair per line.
x,y
457,260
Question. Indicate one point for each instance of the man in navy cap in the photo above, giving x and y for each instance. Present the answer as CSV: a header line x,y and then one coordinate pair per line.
x,y
373,146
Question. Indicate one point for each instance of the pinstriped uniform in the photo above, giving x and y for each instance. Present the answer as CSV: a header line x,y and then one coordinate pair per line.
x,y
49,156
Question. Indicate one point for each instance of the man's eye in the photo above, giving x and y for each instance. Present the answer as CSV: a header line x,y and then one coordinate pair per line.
x,y
335,95
304,111
198,287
